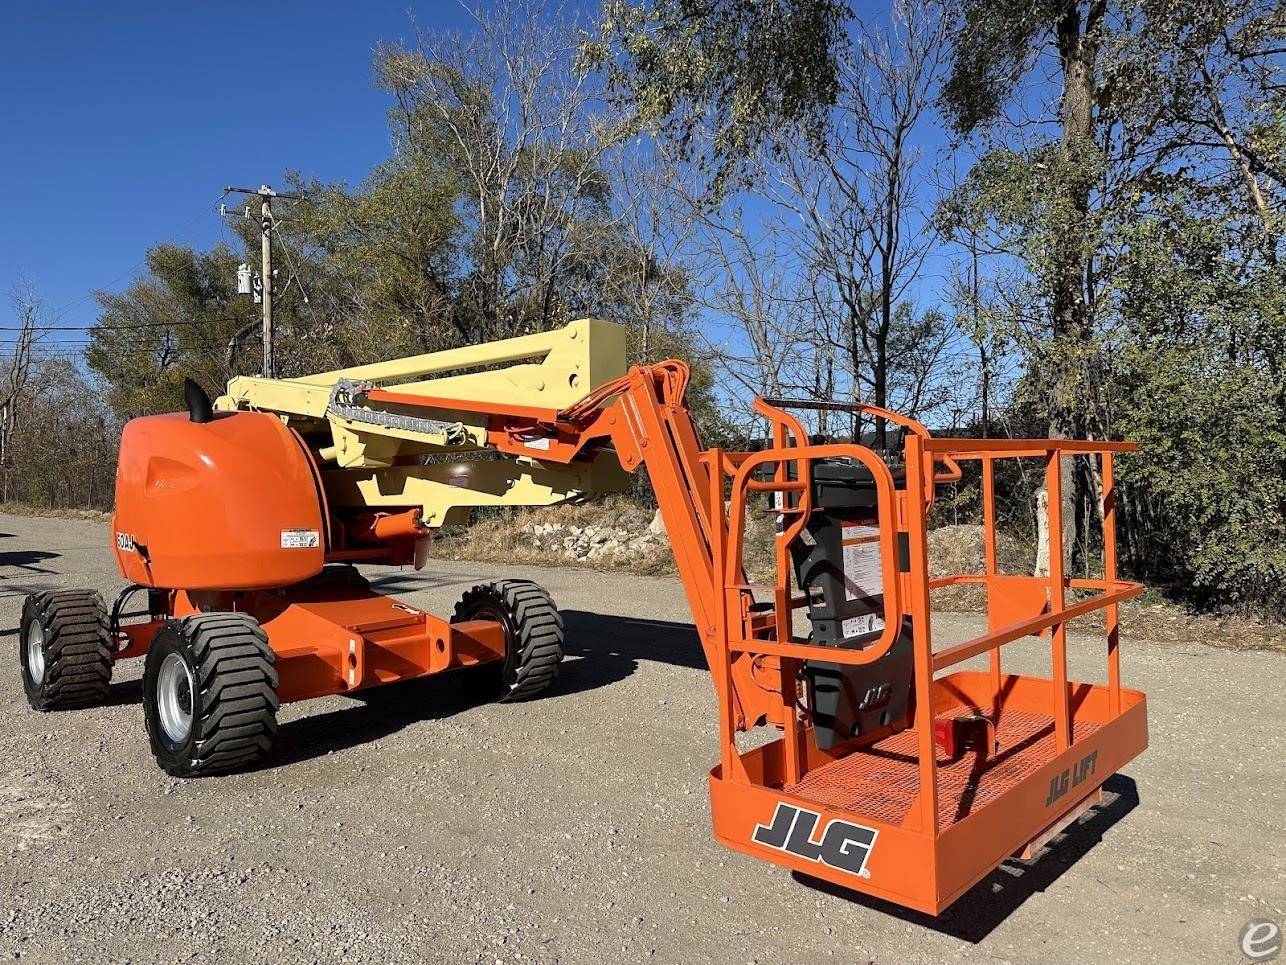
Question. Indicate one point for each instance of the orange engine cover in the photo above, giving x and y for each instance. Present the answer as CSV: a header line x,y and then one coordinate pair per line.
x,y
230,504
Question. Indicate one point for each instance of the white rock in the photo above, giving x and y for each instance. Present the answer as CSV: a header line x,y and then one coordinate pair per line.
x,y
657,526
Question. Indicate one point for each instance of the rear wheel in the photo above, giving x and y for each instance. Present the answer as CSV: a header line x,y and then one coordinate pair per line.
x,y
533,636
65,649
210,694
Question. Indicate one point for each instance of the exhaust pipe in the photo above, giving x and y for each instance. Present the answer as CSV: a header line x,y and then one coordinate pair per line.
x,y
200,410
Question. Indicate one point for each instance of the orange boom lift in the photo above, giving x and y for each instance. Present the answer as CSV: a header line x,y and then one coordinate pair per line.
x,y
892,774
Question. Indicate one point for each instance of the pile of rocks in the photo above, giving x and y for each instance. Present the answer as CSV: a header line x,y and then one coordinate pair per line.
x,y
596,542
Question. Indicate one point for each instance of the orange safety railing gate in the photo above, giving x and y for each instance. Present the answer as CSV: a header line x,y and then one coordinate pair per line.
x,y
1054,613
904,510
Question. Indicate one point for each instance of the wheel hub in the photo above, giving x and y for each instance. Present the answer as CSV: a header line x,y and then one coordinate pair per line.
x,y
36,651
174,697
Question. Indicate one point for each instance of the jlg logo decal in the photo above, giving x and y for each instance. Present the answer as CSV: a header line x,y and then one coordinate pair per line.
x,y
1078,774
843,846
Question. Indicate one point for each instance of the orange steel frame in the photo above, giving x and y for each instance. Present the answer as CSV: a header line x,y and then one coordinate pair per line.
x,y
333,639
936,831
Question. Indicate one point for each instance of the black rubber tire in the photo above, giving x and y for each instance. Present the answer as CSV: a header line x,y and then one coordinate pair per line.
x,y
533,634
77,649
233,700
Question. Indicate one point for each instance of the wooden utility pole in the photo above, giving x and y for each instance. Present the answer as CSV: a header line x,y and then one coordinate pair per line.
x,y
267,225
265,244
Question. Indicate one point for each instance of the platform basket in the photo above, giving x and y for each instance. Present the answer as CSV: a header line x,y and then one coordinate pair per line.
x,y
904,813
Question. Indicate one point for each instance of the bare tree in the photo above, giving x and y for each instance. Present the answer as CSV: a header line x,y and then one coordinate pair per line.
x,y
57,436
757,299
519,118
647,248
856,207
987,299
32,316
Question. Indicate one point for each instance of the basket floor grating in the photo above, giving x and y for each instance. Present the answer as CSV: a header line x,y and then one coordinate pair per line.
x,y
883,781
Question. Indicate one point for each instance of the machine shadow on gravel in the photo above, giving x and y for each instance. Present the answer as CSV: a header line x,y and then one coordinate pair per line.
x,y
123,692
992,900
27,560
19,590
609,649
401,581
382,711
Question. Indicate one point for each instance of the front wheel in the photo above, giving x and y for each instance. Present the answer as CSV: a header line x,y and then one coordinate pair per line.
x,y
533,635
65,649
209,694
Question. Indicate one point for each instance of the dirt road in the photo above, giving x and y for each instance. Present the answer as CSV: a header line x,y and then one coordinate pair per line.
x,y
415,827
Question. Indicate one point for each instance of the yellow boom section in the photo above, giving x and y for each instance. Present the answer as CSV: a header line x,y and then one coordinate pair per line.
x,y
381,453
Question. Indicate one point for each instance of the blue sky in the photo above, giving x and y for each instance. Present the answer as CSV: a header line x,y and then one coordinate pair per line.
x,y
124,120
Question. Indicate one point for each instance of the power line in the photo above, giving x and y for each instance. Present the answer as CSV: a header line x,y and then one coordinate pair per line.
x,y
121,328
90,294
294,275
64,313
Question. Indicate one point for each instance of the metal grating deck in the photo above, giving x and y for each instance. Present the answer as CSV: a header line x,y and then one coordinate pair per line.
x,y
882,781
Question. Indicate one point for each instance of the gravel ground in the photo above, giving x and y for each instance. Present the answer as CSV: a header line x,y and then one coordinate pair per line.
x,y
414,827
